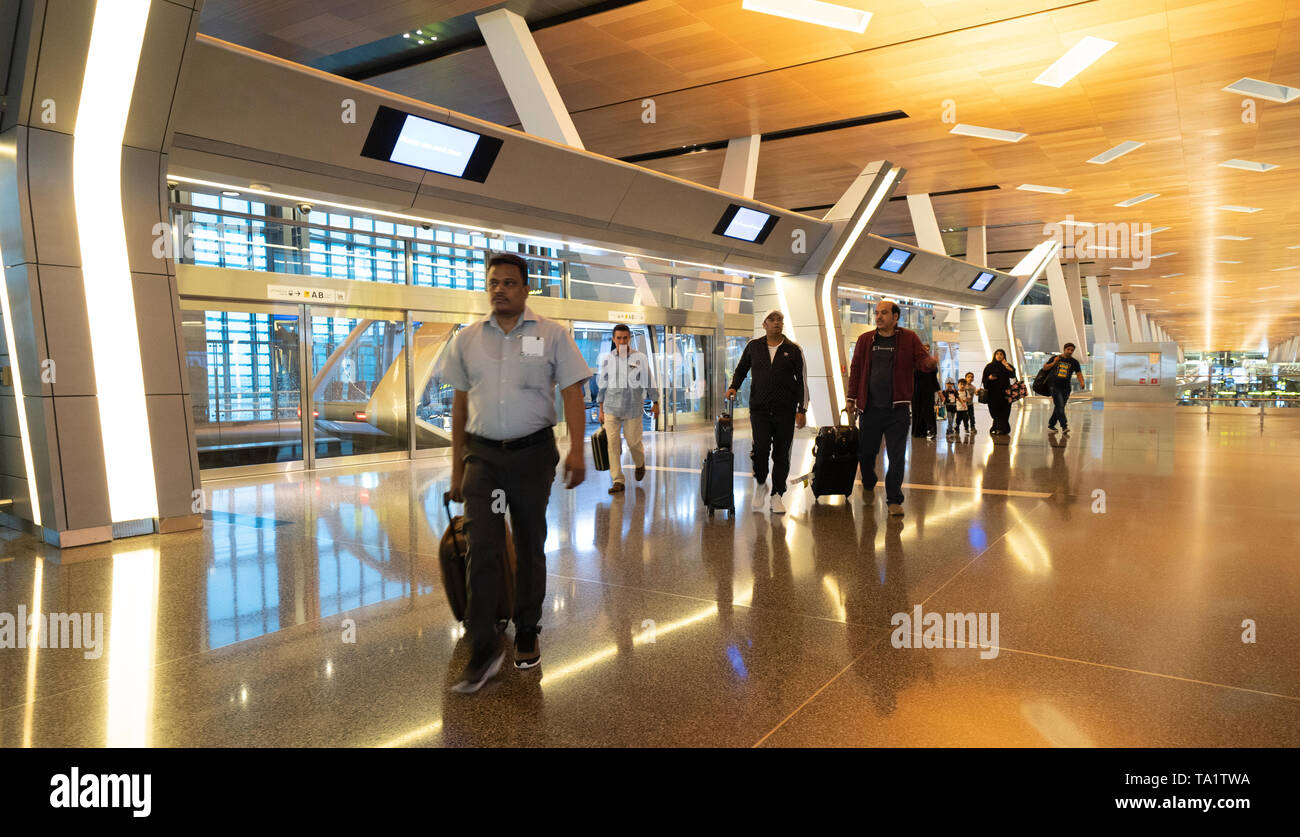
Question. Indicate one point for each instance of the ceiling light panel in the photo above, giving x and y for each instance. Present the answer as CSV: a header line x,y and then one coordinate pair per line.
x,y
1247,165
1264,90
1234,208
812,11
1076,60
988,133
1118,151
1233,237
1139,199
1051,190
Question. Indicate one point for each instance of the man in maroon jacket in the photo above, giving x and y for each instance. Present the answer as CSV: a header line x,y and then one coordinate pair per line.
x,y
880,380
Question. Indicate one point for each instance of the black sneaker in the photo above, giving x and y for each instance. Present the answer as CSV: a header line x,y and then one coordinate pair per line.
x,y
482,667
528,648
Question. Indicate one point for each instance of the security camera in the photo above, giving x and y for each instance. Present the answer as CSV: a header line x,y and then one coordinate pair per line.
x,y
426,226
305,208
172,184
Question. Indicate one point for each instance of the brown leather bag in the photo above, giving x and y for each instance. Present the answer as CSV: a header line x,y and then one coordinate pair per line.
x,y
453,555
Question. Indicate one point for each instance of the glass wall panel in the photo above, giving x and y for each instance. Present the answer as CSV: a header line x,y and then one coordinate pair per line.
x,y
686,363
694,294
595,340
735,347
432,397
358,385
244,387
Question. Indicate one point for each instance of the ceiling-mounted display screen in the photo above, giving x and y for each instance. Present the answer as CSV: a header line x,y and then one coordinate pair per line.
x,y
411,140
745,224
895,261
982,282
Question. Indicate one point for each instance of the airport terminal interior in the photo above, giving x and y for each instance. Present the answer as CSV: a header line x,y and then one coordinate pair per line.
x,y
241,237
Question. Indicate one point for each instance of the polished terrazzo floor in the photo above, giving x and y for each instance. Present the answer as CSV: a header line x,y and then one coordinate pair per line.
x,y
1121,562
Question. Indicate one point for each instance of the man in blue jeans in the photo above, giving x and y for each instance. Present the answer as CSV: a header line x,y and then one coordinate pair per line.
x,y
881,381
1062,366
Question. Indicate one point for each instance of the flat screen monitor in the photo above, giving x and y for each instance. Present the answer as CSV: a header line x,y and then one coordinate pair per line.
x,y
895,260
982,282
411,140
745,224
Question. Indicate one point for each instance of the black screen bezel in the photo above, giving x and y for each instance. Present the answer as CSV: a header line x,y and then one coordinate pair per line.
x,y
907,262
725,221
388,126
993,277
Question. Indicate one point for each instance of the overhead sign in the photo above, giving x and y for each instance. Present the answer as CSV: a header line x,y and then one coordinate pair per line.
x,y
297,294
626,316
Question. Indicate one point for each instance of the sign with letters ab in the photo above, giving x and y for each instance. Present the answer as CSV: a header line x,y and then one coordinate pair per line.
x,y
299,294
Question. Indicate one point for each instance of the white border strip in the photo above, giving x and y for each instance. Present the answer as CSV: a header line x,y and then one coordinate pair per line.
x,y
16,371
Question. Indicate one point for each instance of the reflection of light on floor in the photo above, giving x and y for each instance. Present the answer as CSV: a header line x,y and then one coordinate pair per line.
x,y
32,643
1028,548
131,648
649,636
1059,730
414,735
837,599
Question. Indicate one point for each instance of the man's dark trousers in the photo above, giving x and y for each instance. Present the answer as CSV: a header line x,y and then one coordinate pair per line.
x,y
1060,397
525,476
773,436
892,423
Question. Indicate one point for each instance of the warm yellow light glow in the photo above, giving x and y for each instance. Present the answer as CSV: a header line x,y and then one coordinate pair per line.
x,y
132,646
32,643
648,636
414,735
14,364
107,87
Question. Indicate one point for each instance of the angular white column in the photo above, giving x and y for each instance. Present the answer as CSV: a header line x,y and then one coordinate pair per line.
x,y
1062,304
1134,324
977,246
1074,288
1103,331
809,298
532,90
925,224
1146,326
740,167
1119,316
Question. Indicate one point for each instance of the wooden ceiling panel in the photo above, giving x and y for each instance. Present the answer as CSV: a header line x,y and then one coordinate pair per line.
x,y
716,71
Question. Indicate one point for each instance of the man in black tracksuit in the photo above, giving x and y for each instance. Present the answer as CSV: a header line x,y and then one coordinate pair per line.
x,y
778,402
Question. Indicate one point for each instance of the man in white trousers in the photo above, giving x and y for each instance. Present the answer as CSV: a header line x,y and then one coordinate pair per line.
x,y
625,382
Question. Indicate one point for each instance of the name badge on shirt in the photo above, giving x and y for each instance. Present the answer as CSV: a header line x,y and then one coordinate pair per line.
x,y
533,346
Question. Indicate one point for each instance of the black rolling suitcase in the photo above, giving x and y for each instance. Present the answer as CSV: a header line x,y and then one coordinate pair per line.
x,y
717,479
835,460
722,429
600,449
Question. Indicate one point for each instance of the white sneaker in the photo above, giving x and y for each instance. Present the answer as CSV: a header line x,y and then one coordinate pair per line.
x,y
777,506
759,501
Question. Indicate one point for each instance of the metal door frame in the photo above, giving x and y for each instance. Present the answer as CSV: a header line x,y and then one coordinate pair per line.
x,y
313,462
249,307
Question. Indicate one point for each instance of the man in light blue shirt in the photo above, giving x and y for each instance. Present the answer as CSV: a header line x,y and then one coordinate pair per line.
x,y
624,380
504,370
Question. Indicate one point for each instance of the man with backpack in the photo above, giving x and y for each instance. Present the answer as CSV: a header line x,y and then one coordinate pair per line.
x,y
1059,369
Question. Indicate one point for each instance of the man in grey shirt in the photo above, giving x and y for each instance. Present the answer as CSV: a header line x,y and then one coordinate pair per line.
x,y
504,370
624,380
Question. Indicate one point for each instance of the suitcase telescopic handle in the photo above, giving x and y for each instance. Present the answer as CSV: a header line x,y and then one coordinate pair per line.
x,y
446,504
